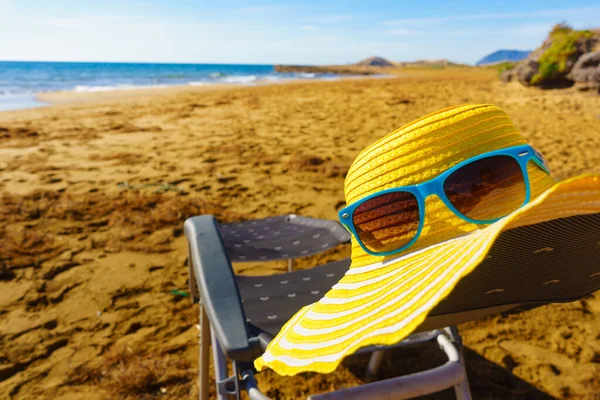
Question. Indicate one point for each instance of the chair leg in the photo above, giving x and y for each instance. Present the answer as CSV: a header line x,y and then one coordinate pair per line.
x,y
193,286
375,363
220,363
204,354
251,387
462,390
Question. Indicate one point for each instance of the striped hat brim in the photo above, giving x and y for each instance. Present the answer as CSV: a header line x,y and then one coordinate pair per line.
x,y
382,303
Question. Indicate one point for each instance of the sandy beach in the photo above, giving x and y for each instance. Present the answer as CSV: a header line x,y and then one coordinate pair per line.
x,y
94,191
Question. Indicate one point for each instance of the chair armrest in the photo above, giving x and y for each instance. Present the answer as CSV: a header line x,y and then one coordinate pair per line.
x,y
218,288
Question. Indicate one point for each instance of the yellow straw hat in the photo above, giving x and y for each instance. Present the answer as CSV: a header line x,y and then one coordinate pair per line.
x,y
381,300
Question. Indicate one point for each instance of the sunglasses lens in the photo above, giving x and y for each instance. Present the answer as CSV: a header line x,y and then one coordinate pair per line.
x,y
487,189
388,222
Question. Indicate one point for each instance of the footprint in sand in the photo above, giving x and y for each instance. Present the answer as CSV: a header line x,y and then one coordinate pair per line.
x,y
562,366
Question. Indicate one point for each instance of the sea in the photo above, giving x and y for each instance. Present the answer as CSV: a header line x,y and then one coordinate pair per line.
x,y
21,81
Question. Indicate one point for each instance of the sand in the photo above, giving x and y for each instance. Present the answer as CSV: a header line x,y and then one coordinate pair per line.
x,y
88,266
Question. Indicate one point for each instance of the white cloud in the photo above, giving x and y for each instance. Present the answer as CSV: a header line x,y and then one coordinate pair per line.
x,y
308,28
531,29
401,32
333,18
536,30
264,9
264,34
555,13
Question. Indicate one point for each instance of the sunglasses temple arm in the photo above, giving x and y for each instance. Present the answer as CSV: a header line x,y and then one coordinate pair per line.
x,y
539,160
541,163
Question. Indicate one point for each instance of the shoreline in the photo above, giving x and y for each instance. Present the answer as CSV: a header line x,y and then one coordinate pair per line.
x,y
74,97
18,102
66,97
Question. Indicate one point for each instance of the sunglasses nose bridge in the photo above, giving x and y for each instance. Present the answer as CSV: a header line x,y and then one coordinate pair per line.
x,y
426,189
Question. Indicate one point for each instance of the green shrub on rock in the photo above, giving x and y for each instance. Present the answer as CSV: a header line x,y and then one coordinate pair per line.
x,y
506,66
558,59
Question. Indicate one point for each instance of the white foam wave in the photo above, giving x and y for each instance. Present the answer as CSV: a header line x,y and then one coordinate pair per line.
x,y
307,75
213,78
240,79
274,78
107,88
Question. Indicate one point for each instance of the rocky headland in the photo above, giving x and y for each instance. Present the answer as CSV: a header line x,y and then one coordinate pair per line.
x,y
566,58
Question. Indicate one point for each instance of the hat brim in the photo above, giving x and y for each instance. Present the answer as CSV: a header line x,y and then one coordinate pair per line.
x,y
382,303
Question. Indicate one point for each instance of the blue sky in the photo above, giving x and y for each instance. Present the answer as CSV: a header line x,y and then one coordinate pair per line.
x,y
293,32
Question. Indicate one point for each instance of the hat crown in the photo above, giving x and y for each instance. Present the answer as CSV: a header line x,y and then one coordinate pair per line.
x,y
429,146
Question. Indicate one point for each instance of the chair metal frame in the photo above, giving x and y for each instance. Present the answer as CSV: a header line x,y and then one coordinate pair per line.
x,y
223,326
452,374
510,279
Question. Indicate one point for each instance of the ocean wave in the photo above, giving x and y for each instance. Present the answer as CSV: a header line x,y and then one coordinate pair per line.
x,y
240,79
26,78
211,79
274,78
218,78
306,75
108,88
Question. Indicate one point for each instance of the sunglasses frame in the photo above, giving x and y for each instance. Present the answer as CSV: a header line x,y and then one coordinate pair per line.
x,y
522,154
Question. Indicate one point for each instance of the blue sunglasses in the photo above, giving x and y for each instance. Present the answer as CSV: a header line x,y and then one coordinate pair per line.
x,y
390,221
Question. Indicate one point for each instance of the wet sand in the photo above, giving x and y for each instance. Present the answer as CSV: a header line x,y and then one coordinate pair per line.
x,y
89,264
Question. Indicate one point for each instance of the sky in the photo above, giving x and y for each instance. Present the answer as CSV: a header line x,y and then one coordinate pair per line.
x,y
278,32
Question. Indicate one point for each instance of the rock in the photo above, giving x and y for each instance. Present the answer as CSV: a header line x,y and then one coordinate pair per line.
x,y
586,71
506,76
326,69
375,62
526,69
434,63
550,65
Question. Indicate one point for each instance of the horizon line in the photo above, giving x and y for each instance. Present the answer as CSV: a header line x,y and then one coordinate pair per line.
x,y
229,63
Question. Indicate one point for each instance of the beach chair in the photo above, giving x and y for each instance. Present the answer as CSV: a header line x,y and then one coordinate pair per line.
x,y
239,315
